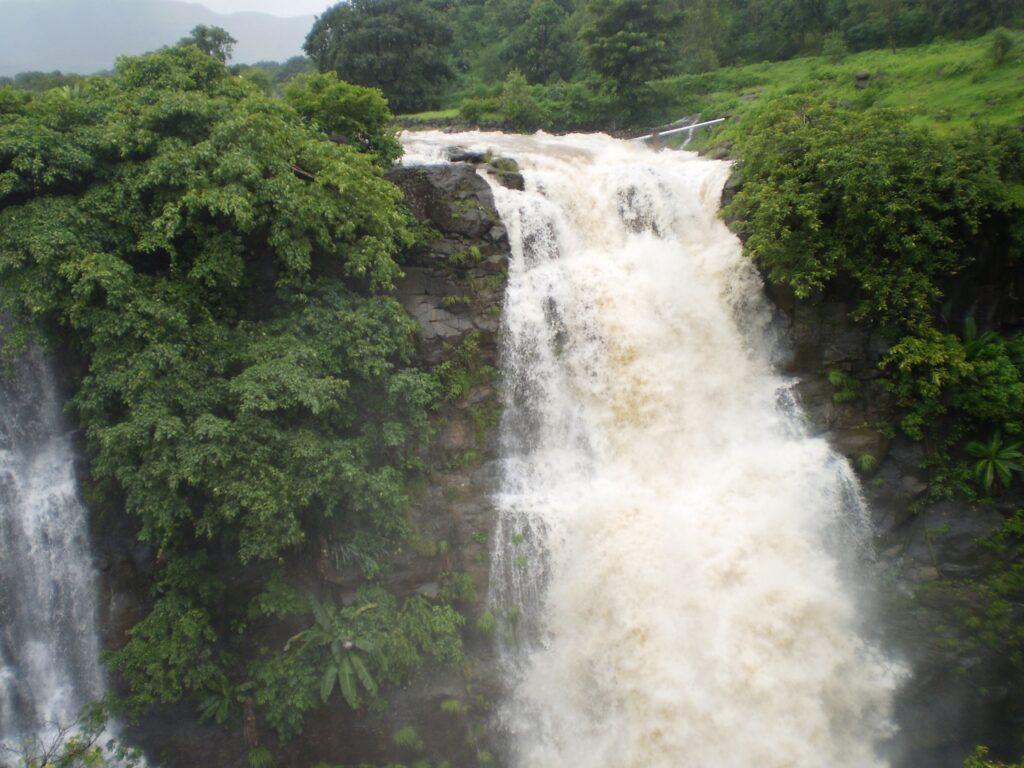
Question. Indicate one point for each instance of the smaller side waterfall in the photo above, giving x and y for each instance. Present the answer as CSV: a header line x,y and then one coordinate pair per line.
x,y
49,643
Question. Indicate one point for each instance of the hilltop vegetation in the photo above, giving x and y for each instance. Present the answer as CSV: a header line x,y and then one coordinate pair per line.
x,y
945,86
217,247
219,272
599,63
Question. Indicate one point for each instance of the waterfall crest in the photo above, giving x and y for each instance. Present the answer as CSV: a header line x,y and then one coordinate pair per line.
x,y
49,642
669,560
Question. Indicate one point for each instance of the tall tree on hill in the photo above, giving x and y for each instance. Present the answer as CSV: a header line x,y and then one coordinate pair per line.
x,y
400,46
213,41
630,42
960,18
543,48
702,35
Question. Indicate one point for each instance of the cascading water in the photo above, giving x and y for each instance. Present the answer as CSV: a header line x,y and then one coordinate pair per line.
x,y
670,555
49,644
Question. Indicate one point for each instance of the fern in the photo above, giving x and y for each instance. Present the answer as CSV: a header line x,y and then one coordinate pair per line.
x,y
260,757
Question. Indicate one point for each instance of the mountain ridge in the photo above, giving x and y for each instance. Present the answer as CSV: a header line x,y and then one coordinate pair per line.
x,y
86,36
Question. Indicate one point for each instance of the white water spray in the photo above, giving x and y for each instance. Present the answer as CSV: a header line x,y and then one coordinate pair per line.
x,y
667,561
49,643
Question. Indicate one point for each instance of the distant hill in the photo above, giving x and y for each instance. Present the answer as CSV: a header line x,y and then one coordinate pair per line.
x,y
86,36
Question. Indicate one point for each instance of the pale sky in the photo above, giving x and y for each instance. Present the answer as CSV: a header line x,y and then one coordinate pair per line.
x,y
274,7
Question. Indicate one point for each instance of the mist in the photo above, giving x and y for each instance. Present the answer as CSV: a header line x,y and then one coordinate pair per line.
x,y
86,36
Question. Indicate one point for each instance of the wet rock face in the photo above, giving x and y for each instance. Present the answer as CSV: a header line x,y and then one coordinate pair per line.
x,y
451,197
961,691
453,285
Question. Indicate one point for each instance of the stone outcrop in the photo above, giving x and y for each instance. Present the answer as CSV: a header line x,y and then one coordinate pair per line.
x,y
961,690
452,285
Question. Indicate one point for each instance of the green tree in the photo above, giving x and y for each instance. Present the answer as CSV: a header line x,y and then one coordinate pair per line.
x,y
213,41
703,32
43,81
220,272
630,42
518,107
543,46
399,46
966,18
347,113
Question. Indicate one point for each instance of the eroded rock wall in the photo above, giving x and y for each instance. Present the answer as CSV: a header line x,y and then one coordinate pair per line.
x,y
962,690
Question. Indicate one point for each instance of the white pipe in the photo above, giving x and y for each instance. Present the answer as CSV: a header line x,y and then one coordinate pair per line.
x,y
716,121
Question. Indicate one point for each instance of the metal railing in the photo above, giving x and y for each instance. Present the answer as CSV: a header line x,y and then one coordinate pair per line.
x,y
691,128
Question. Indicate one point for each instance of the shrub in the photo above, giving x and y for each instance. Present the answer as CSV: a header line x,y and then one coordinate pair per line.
x,y
1000,47
519,109
474,110
833,195
834,48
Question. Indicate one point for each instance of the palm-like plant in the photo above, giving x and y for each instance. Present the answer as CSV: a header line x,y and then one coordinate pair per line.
x,y
995,459
973,342
348,666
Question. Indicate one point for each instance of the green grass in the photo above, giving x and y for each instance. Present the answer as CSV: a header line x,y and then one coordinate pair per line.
x,y
437,114
947,86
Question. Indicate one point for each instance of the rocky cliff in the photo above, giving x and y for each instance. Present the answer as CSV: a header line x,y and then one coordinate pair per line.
x,y
453,286
931,558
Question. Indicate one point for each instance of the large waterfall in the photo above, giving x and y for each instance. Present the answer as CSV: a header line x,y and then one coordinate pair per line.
x,y
49,644
674,556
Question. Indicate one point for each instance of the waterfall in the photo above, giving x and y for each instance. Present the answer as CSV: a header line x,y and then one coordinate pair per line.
x,y
49,643
674,551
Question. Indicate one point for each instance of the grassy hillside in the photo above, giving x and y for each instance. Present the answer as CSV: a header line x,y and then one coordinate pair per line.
x,y
948,86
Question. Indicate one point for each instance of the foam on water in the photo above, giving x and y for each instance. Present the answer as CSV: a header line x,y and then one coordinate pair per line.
x,y
668,560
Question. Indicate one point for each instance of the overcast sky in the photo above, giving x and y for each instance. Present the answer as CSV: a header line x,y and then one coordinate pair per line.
x,y
275,7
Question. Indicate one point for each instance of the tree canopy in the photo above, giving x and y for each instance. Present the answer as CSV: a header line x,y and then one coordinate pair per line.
x,y
629,42
399,46
543,46
221,271
213,41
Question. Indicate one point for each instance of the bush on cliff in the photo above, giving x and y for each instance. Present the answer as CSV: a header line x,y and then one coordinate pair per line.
x,y
221,271
857,202
832,195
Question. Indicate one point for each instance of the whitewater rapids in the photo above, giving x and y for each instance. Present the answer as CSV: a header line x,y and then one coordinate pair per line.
x,y
672,565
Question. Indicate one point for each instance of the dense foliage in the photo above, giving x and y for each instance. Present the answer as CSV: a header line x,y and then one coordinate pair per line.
x,y
425,54
347,113
856,202
980,759
399,46
213,41
221,268
837,194
629,42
